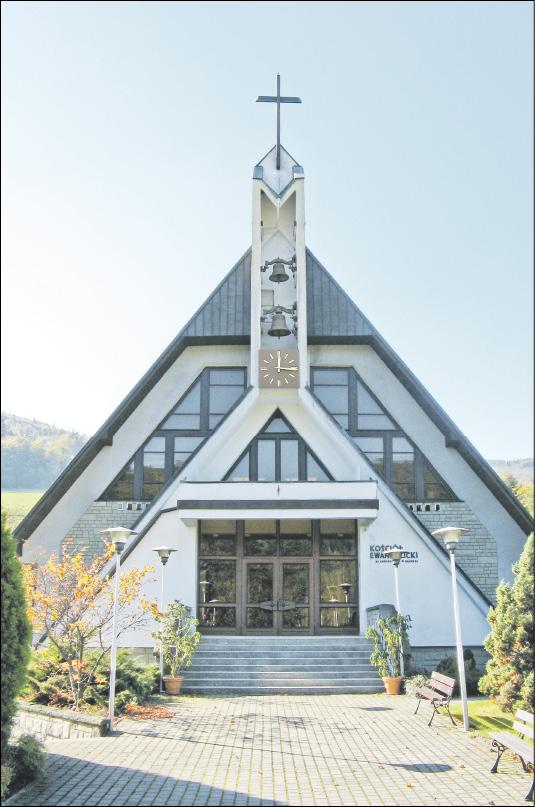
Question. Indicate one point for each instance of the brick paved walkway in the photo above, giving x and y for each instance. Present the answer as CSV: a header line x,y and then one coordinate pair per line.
x,y
293,750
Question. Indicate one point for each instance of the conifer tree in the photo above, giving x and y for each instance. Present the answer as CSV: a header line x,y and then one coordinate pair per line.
x,y
15,633
510,642
524,628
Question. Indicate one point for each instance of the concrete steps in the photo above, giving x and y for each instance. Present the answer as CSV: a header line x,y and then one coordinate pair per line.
x,y
281,664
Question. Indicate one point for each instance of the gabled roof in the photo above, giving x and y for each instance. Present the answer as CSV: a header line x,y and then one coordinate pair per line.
x,y
332,318
330,312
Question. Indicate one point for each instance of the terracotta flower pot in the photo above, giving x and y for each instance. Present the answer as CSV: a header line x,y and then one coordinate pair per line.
x,y
173,684
392,685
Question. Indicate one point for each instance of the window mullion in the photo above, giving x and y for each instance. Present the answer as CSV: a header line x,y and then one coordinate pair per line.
x,y
205,401
301,460
138,474
254,461
388,458
352,401
169,457
418,475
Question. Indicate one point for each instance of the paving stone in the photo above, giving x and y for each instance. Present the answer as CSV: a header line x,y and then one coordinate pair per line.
x,y
274,750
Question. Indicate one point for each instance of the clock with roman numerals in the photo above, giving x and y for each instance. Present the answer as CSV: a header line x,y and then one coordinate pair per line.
x,y
279,368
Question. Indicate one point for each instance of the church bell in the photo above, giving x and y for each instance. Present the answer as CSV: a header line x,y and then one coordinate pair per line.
x,y
278,273
278,326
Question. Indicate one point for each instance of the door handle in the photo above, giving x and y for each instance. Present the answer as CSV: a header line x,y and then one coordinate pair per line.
x,y
285,605
267,605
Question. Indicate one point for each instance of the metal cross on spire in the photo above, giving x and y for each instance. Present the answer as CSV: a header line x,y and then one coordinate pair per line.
x,y
278,99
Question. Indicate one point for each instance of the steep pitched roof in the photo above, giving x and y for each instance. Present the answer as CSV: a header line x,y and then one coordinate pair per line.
x,y
330,312
332,318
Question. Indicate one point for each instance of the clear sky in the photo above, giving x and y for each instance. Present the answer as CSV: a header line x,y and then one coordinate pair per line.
x,y
129,136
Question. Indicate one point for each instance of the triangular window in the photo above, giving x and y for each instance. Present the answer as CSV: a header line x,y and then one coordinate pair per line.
x,y
434,488
241,471
187,414
370,415
215,392
315,471
375,432
277,424
277,454
348,400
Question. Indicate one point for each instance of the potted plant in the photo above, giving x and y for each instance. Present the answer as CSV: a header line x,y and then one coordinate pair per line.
x,y
178,640
388,635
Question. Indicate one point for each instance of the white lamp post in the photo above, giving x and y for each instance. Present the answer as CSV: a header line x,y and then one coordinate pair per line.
x,y
164,553
395,557
118,536
451,537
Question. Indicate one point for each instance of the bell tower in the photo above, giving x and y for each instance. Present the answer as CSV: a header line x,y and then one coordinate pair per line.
x,y
278,267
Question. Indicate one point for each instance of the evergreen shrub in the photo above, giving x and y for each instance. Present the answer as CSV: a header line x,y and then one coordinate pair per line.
x,y
448,666
15,632
48,681
509,673
27,759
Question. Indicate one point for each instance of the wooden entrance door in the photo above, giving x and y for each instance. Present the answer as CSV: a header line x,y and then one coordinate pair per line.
x,y
277,596
269,577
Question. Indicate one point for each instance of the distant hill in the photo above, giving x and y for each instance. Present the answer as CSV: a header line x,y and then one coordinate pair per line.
x,y
522,470
34,453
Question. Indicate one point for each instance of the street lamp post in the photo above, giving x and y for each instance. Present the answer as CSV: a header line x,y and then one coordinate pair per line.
x,y
164,553
451,537
118,536
395,557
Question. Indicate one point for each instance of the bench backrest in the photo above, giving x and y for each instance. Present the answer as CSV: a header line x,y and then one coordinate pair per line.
x,y
442,683
526,727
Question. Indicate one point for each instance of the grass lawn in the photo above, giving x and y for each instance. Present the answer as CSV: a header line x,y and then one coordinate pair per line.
x,y
17,503
485,716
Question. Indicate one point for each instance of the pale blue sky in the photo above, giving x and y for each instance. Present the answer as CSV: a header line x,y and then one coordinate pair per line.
x,y
129,135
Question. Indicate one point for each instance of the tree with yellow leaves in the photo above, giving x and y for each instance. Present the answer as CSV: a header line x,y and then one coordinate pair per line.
x,y
70,604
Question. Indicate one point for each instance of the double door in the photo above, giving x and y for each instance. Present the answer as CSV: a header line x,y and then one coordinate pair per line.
x,y
277,595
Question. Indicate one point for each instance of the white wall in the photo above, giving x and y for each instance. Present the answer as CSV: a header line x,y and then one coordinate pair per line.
x,y
425,585
180,571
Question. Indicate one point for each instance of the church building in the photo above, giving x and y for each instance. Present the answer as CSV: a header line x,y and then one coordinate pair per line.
x,y
281,446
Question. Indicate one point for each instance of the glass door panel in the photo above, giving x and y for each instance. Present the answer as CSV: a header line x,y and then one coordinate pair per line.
x,y
337,580
259,596
217,589
260,538
296,538
294,600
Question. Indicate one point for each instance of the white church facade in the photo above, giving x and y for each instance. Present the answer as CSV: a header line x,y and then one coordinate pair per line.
x,y
280,446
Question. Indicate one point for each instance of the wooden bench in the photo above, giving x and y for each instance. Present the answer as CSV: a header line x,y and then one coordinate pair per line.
x,y
516,743
438,692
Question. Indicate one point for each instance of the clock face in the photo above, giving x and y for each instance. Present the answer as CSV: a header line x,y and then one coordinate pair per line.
x,y
279,368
